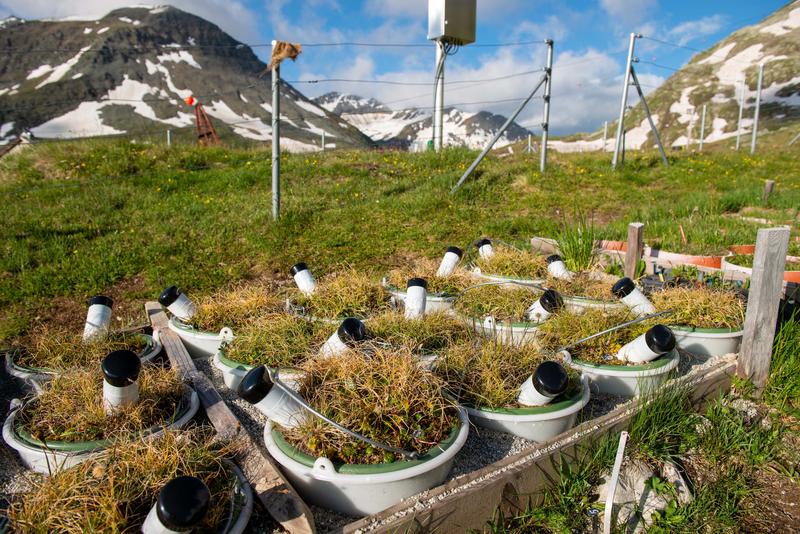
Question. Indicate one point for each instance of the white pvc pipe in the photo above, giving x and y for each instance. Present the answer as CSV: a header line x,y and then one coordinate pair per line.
x,y
98,317
177,303
632,297
333,346
181,506
648,346
118,397
549,303
547,382
416,295
120,370
258,389
485,249
303,278
449,261
557,268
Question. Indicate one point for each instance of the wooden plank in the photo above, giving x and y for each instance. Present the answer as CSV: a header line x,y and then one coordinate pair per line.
x,y
766,283
635,248
273,490
768,187
468,502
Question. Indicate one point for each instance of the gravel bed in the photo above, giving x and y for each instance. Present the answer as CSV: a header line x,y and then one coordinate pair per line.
x,y
14,478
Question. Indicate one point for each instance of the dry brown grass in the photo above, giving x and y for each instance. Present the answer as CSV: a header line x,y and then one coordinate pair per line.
x,y
115,491
71,408
564,328
583,285
432,333
700,307
347,293
381,394
508,261
277,340
504,303
455,283
234,307
55,350
489,374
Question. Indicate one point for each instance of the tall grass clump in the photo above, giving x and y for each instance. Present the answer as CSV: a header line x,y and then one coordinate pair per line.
x,y
490,374
347,293
71,409
55,350
277,340
588,285
450,285
382,394
701,307
432,333
115,491
499,301
577,244
234,307
783,387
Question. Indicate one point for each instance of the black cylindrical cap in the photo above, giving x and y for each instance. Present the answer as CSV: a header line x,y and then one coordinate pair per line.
x,y
417,282
660,339
183,503
352,331
551,301
457,251
255,385
623,287
169,295
101,299
484,241
553,258
297,267
551,378
121,368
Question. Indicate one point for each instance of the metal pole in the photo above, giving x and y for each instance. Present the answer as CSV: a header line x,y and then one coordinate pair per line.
x,y
689,131
739,123
497,136
794,139
530,149
649,117
276,140
702,127
624,103
438,111
548,85
169,137
323,140
605,134
758,109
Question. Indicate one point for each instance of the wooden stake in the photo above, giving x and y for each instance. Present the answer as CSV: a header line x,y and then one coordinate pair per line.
x,y
273,490
768,187
635,248
766,283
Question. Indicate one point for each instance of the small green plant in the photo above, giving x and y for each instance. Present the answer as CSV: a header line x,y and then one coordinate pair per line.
x,y
783,386
577,243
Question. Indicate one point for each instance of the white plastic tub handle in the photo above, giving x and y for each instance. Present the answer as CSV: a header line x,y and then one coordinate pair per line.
x,y
489,322
323,468
226,334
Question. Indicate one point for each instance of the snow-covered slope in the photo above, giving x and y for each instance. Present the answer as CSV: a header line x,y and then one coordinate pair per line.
x,y
715,78
412,127
128,73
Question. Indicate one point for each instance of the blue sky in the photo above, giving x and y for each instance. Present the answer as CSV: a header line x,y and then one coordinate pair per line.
x,y
590,44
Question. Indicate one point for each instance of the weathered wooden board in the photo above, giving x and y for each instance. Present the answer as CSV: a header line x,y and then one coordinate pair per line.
x,y
273,490
509,484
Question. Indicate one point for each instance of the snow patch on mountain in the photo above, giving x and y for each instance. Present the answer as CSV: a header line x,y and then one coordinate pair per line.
x,y
178,57
784,26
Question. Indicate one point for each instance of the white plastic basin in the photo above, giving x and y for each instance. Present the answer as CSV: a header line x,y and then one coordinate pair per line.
x,y
57,456
364,489
199,343
708,342
627,379
536,423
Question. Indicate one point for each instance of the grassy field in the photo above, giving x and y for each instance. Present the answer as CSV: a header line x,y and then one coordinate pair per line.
x,y
128,219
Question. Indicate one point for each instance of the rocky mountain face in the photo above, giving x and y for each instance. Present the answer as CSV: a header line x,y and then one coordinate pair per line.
x,y
412,127
128,73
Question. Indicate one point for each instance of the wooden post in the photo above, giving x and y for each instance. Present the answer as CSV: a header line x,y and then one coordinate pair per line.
x,y
768,187
635,248
272,489
766,283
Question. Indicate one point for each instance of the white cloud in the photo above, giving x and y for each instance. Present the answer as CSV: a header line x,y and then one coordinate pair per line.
x,y
629,11
688,31
231,15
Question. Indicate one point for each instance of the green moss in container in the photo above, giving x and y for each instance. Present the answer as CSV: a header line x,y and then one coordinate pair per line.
x,y
277,340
